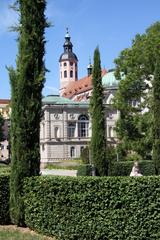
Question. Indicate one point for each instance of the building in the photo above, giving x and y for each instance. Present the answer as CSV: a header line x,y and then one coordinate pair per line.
x,y
65,128
66,124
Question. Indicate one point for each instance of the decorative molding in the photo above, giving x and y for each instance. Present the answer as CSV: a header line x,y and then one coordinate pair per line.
x,y
56,115
72,116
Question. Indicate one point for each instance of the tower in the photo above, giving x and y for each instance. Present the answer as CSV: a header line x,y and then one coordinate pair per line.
x,y
68,64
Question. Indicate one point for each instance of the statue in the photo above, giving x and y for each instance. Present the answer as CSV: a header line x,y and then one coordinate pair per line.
x,y
135,170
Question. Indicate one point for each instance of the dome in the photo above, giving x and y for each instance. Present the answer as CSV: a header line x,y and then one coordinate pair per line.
x,y
109,80
68,53
68,56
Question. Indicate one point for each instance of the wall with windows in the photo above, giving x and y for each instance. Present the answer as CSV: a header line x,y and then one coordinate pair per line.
x,y
66,128
64,131
68,73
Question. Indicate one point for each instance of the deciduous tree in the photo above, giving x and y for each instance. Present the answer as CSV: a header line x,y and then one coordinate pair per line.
x,y
135,67
156,116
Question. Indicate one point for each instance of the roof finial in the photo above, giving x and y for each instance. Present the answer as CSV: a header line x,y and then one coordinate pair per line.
x,y
67,33
67,29
89,67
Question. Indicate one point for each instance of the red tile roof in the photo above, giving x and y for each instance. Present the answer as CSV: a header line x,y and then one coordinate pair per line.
x,y
80,86
5,101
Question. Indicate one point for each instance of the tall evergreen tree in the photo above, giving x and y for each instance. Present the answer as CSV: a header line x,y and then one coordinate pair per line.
x,y
26,86
156,116
98,139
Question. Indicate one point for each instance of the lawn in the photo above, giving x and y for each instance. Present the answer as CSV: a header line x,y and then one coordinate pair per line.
x,y
17,233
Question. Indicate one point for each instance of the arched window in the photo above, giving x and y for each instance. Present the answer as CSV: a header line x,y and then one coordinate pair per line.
x,y
65,74
71,74
56,132
72,152
71,63
64,64
83,126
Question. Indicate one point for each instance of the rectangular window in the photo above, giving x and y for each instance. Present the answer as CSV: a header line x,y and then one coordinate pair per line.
x,y
71,129
83,129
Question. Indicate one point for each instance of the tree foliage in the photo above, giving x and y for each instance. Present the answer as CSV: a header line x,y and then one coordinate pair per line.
x,y
135,67
26,86
98,139
156,116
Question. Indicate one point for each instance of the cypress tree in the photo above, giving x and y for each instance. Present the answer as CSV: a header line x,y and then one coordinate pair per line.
x,y
156,116
26,86
98,139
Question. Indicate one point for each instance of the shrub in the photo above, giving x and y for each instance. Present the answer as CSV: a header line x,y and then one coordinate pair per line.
x,y
85,155
4,169
97,208
124,168
84,170
4,199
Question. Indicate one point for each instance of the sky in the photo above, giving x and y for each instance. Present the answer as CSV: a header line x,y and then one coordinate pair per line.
x,y
111,25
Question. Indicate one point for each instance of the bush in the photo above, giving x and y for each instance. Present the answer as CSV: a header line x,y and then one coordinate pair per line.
x,y
85,155
4,199
124,168
4,169
97,208
84,170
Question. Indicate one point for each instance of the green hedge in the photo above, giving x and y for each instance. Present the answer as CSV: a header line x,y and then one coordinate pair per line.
x,y
85,208
124,168
4,199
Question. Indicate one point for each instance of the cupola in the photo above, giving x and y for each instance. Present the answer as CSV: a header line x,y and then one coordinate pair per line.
x,y
68,64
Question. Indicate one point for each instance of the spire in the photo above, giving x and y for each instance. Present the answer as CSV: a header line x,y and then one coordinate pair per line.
x,y
89,67
67,45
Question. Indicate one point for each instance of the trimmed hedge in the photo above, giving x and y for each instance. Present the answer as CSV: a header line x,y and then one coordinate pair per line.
x,y
124,168
4,199
85,208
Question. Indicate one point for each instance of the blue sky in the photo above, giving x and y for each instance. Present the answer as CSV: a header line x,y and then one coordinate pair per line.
x,y
110,24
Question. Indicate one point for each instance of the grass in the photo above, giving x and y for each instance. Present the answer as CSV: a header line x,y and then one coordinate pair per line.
x,y
17,233
66,164
50,166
